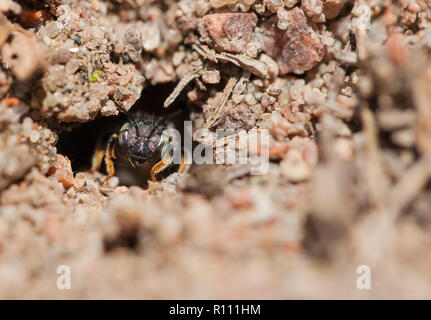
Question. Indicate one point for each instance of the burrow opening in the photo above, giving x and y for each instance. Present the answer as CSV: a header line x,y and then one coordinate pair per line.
x,y
80,142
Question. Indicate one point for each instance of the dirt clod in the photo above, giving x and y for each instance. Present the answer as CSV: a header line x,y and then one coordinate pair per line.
x,y
62,171
230,32
298,48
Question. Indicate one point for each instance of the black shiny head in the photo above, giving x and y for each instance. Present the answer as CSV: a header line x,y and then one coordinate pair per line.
x,y
141,140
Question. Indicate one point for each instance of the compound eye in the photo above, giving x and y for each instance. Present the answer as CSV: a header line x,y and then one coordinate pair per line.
x,y
122,138
125,127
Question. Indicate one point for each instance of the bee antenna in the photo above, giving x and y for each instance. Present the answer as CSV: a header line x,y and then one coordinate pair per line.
x,y
135,123
165,118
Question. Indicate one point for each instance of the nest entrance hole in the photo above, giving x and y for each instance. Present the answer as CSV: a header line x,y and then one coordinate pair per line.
x,y
80,142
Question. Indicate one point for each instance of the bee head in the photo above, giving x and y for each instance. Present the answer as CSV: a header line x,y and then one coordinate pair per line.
x,y
141,140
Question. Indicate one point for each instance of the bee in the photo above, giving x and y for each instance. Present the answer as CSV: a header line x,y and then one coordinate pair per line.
x,y
140,141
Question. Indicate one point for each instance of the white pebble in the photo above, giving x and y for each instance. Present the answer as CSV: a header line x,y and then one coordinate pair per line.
x,y
34,136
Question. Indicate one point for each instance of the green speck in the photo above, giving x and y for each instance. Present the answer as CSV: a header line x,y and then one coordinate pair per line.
x,y
95,76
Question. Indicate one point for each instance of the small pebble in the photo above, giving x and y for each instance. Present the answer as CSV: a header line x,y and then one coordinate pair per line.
x,y
113,181
228,32
34,136
211,76
121,189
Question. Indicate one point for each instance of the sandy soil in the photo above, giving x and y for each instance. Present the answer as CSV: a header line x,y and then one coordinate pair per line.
x,y
342,87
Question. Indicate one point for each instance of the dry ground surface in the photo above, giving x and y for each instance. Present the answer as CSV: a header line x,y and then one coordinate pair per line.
x,y
343,87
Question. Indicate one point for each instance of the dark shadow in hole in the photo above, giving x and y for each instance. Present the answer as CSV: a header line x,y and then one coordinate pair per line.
x,y
80,143
128,237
